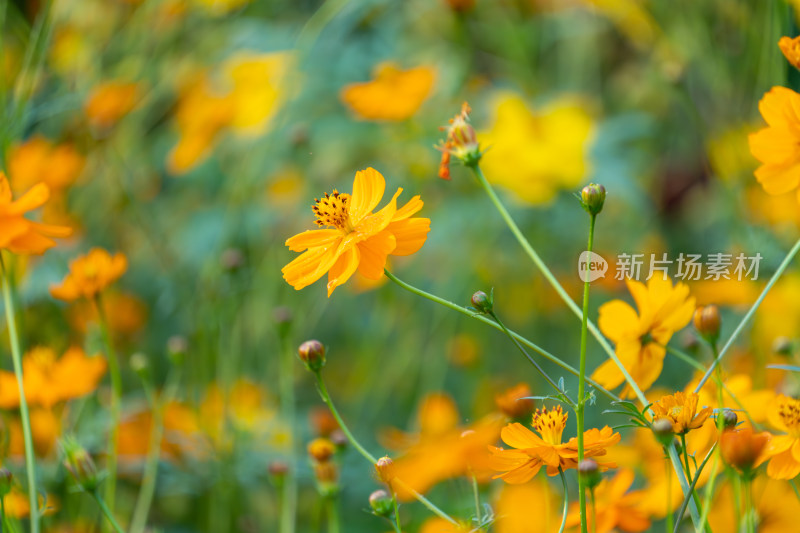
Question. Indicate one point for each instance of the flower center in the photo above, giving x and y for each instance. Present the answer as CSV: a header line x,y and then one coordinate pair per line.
x,y
331,210
675,412
550,424
789,411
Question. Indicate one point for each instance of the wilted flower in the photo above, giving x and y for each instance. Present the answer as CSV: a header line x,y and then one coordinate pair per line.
x,y
357,237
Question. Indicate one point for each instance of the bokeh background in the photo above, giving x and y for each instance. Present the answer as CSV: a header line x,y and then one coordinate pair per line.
x,y
194,135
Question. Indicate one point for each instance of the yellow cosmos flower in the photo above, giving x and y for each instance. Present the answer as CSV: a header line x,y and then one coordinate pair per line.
x,y
357,239
530,451
775,505
777,147
109,102
614,506
89,274
517,504
640,338
18,234
783,451
40,160
393,94
681,410
791,50
536,153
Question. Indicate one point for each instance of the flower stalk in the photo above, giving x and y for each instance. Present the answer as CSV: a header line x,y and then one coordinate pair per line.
x,y
16,357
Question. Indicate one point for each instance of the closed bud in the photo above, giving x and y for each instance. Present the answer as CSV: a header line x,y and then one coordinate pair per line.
x,y
321,449
707,322
589,471
782,346
232,259
385,469
742,448
6,481
381,502
312,353
278,470
139,364
339,439
729,419
482,302
80,464
177,346
593,196
662,429
327,476
283,320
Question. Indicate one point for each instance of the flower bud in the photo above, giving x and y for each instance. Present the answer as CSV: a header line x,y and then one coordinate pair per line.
x,y
662,429
782,346
589,471
729,419
322,421
6,481
742,448
312,353
283,320
706,322
482,302
791,50
80,464
385,469
327,476
232,259
593,196
278,470
139,364
177,346
321,450
381,502
339,439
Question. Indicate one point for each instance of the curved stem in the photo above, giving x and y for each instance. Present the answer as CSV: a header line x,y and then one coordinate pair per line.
x,y
107,512
784,264
116,399
582,382
16,357
323,392
566,501
464,311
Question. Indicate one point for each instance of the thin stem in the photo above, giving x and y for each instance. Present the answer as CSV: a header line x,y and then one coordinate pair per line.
x,y
287,399
685,457
693,494
333,514
464,311
530,359
749,512
477,499
750,313
396,521
106,511
566,501
554,282
594,511
668,469
323,392
116,399
582,383
16,356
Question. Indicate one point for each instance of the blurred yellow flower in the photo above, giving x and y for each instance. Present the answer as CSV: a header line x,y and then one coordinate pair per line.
x,y
741,448
358,238
614,507
536,153
640,338
89,274
777,147
527,508
515,402
631,17
110,101
393,94
18,234
45,430
728,153
775,505
783,451
681,411
791,50
529,452
440,525
125,312
243,408
259,88
40,160
49,379
182,436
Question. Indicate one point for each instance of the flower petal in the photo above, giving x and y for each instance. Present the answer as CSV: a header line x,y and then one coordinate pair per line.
x,y
410,234
368,188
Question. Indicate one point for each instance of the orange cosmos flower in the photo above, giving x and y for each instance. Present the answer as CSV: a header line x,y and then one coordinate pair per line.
x,y
783,451
791,50
640,338
614,508
89,274
394,94
49,379
681,410
777,146
515,402
531,451
40,160
111,101
742,448
18,234
357,237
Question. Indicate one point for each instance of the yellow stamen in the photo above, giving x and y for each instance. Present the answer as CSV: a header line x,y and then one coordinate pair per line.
x,y
550,424
789,411
332,210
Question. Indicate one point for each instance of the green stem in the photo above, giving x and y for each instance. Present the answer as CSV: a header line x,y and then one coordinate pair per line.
x,y
526,246
396,521
477,500
106,511
287,399
594,511
116,399
749,511
463,310
786,261
323,392
333,514
693,494
566,501
16,356
668,471
582,384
